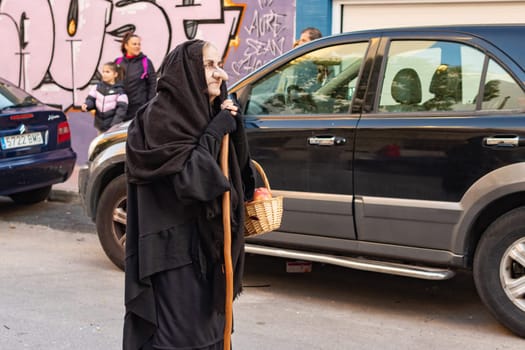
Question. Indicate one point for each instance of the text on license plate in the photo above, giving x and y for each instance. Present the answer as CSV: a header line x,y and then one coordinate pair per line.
x,y
22,140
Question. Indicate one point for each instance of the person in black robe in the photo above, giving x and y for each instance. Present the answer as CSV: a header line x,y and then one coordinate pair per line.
x,y
174,283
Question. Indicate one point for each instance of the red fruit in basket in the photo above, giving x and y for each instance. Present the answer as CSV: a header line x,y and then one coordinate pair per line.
x,y
261,193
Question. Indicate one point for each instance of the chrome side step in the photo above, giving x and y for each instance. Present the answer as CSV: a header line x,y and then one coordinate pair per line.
x,y
427,273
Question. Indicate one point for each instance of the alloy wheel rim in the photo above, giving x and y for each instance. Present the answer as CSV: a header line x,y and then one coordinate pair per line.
x,y
512,273
119,222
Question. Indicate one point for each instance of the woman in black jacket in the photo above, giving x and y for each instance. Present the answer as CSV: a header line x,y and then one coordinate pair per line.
x,y
140,78
175,283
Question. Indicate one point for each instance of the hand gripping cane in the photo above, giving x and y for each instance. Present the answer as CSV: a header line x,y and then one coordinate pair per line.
x,y
228,269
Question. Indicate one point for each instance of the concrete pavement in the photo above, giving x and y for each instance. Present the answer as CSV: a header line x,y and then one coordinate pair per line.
x,y
60,292
82,132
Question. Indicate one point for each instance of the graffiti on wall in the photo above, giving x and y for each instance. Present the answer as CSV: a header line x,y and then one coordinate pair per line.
x,y
267,31
54,48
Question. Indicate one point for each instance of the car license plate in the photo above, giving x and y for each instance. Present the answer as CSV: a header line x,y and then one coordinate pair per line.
x,y
22,140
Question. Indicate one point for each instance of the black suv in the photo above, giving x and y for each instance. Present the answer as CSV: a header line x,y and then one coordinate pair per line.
x,y
398,151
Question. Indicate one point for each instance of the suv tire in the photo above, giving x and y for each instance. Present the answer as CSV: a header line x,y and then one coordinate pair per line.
x,y
111,220
498,263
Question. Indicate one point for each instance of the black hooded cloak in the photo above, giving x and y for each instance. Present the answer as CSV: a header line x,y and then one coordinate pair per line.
x,y
175,184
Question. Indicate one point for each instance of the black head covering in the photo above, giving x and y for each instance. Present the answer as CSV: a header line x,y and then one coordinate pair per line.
x,y
167,129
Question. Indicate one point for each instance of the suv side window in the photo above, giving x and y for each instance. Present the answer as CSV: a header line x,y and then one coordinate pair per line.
x,y
318,82
431,76
501,91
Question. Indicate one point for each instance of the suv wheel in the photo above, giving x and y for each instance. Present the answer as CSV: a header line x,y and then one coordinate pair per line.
x,y
111,220
499,269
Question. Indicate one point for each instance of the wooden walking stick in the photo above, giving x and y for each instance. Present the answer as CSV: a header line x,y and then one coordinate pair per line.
x,y
228,269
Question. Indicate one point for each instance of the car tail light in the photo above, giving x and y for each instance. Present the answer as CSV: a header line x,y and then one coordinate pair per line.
x,y
64,133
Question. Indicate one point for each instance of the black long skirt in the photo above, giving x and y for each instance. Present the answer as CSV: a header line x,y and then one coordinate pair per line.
x,y
185,314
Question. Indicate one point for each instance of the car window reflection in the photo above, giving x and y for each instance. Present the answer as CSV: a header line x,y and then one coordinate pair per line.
x,y
444,76
320,82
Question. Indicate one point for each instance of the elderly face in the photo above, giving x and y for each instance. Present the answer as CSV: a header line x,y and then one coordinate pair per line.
x,y
215,75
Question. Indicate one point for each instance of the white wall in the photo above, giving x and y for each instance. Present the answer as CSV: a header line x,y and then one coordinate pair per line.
x,y
349,15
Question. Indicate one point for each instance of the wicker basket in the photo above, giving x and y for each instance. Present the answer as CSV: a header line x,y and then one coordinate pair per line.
x,y
263,215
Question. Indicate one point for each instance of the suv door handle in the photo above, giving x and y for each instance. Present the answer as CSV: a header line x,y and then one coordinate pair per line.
x,y
504,141
326,140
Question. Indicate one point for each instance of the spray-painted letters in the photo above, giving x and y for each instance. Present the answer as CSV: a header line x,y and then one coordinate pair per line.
x,y
54,49
266,32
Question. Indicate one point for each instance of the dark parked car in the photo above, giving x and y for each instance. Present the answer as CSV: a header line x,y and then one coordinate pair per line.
x,y
398,151
35,146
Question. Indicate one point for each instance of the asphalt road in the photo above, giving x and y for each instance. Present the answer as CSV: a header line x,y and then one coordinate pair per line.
x,y
59,291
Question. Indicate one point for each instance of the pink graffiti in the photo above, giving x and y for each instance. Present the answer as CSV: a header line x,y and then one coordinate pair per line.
x,y
55,48
27,59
